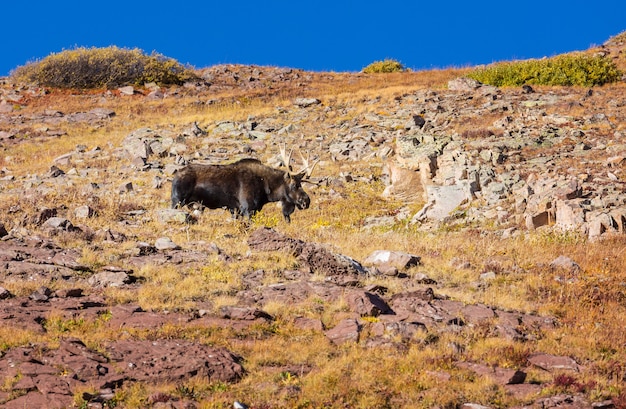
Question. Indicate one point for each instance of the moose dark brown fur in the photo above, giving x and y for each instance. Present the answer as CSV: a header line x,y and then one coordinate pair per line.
x,y
243,187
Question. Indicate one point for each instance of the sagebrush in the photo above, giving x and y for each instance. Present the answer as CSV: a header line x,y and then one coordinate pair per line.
x,y
384,66
107,67
563,70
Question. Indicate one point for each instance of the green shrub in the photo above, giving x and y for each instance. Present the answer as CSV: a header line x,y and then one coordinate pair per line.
x,y
384,66
566,69
108,67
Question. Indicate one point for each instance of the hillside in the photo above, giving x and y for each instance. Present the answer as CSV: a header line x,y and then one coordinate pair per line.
x,y
464,246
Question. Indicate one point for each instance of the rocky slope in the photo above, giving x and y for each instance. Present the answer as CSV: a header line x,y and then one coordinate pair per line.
x,y
474,155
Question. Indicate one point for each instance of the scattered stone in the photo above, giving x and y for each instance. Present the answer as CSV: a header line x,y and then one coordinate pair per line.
x,y
84,212
108,235
551,363
110,279
127,90
121,362
126,187
43,215
308,324
443,200
474,406
306,102
41,294
366,304
173,216
463,84
55,171
165,243
337,267
243,313
347,330
564,263
397,259
59,223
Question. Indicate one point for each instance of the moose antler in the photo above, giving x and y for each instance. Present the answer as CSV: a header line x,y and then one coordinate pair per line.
x,y
284,157
307,168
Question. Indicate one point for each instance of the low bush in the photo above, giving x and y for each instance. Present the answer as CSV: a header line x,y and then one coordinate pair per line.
x,y
568,69
107,67
384,66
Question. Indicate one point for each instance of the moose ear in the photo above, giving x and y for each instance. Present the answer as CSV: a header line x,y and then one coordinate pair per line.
x,y
299,176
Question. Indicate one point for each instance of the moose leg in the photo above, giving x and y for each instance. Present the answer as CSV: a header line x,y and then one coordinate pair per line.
x,y
288,208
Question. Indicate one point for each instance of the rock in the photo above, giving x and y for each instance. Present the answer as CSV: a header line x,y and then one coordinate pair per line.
x,y
165,243
43,215
477,314
4,293
308,324
55,172
366,304
41,294
239,405
443,200
110,279
347,330
84,212
337,267
473,406
306,102
127,187
58,223
397,259
137,143
243,313
122,362
108,235
127,90
173,216
403,184
463,84
570,214
405,330
552,363
565,263
157,182
193,130
102,113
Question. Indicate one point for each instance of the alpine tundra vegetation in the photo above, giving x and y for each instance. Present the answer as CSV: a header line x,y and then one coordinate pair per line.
x,y
464,243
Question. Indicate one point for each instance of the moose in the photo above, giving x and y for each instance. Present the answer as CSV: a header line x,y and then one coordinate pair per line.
x,y
243,187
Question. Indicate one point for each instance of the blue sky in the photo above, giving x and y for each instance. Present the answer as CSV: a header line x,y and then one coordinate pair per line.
x,y
325,35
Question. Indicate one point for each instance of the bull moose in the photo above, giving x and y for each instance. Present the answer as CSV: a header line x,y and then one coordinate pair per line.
x,y
243,187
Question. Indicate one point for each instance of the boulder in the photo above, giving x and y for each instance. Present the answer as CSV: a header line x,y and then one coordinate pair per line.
x,y
347,330
444,200
553,363
397,259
